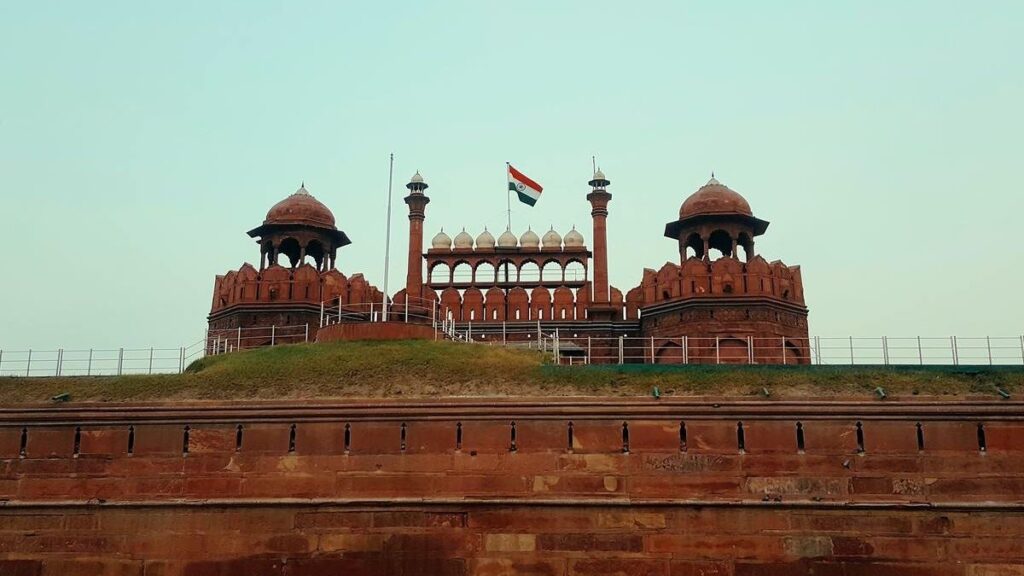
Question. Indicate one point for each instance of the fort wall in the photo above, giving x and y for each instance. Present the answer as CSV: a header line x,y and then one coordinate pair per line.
x,y
570,487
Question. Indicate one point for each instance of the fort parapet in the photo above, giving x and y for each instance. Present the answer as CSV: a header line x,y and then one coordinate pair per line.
x,y
587,486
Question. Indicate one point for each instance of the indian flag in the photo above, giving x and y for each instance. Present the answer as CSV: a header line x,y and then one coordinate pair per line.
x,y
528,190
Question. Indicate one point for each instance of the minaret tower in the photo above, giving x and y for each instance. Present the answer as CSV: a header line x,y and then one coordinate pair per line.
x,y
417,202
598,198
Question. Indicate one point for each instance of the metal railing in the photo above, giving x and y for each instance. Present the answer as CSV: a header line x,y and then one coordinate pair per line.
x,y
566,347
120,361
98,361
818,350
224,340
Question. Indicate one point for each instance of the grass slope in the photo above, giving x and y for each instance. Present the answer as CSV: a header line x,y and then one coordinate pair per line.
x,y
432,369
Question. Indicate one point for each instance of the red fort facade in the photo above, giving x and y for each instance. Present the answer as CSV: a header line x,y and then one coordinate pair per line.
x,y
722,302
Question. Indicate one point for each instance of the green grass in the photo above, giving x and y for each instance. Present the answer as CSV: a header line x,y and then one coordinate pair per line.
x,y
399,369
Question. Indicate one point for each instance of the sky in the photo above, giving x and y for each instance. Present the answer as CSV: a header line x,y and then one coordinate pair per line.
x,y
140,141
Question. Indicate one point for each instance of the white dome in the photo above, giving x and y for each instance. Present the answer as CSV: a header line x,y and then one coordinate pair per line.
x,y
507,239
597,175
416,178
442,241
485,240
552,239
529,239
463,240
573,238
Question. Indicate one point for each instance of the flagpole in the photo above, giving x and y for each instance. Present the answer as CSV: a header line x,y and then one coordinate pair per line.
x,y
508,195
387,243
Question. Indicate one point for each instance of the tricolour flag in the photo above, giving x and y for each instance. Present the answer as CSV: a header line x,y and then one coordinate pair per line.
x,y
527,190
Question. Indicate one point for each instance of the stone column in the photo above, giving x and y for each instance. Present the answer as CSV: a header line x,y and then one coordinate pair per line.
x,y
417,202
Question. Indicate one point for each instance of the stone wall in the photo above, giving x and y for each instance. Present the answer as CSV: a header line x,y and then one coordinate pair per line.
x,y
573,487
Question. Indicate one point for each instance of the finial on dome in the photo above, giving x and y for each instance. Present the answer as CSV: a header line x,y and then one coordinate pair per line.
x,y
417,183
302,188
599,181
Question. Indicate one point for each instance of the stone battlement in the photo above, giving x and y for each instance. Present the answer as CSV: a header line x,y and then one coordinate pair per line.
x,y
490,487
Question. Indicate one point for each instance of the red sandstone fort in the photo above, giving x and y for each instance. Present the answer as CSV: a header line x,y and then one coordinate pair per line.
x,y
736,308
843,485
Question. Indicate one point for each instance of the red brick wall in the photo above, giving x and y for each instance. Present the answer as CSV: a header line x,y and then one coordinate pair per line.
x,y
347,490
375,331
454,539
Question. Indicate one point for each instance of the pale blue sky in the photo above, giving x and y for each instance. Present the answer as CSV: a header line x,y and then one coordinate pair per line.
x,y
139,141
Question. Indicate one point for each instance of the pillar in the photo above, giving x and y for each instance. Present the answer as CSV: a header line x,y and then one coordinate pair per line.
x,y
599,198
417,202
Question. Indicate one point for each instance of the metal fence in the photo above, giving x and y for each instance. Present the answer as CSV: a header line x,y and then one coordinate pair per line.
x,y
819,350
224,340
99,361
567,347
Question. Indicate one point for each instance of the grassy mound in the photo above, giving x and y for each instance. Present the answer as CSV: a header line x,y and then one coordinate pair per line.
x,y
432,369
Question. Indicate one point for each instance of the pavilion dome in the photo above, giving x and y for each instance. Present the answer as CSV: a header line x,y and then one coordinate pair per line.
x,y
573,239
552,239
507,239
463,240
442,241
529,239
714,198
485,240
301,208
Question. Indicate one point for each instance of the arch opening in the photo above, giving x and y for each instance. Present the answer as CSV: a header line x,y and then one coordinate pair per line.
x,y
462,272
719,244
485,274
529,271
441,273
575,271
551,272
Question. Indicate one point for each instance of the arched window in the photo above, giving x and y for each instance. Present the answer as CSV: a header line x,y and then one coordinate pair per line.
x,y
462,272
575,271
745,244
506,272
314,253
291,249
529,272
719,244
440,274
693,247
485,274
552,272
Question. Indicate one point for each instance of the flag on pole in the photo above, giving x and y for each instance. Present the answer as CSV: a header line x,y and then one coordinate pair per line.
x,y
527,190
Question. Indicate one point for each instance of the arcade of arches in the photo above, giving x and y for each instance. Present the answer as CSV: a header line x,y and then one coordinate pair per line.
x,y
722,302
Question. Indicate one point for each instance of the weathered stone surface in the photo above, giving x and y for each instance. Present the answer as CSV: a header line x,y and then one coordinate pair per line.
x,y
711,509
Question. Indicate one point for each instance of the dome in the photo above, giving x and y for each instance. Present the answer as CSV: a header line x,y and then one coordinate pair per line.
x,y
599,175
552,239
416,178
442,241
463,240
485,240
529,239
300,208
714,198
573,239
507,239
